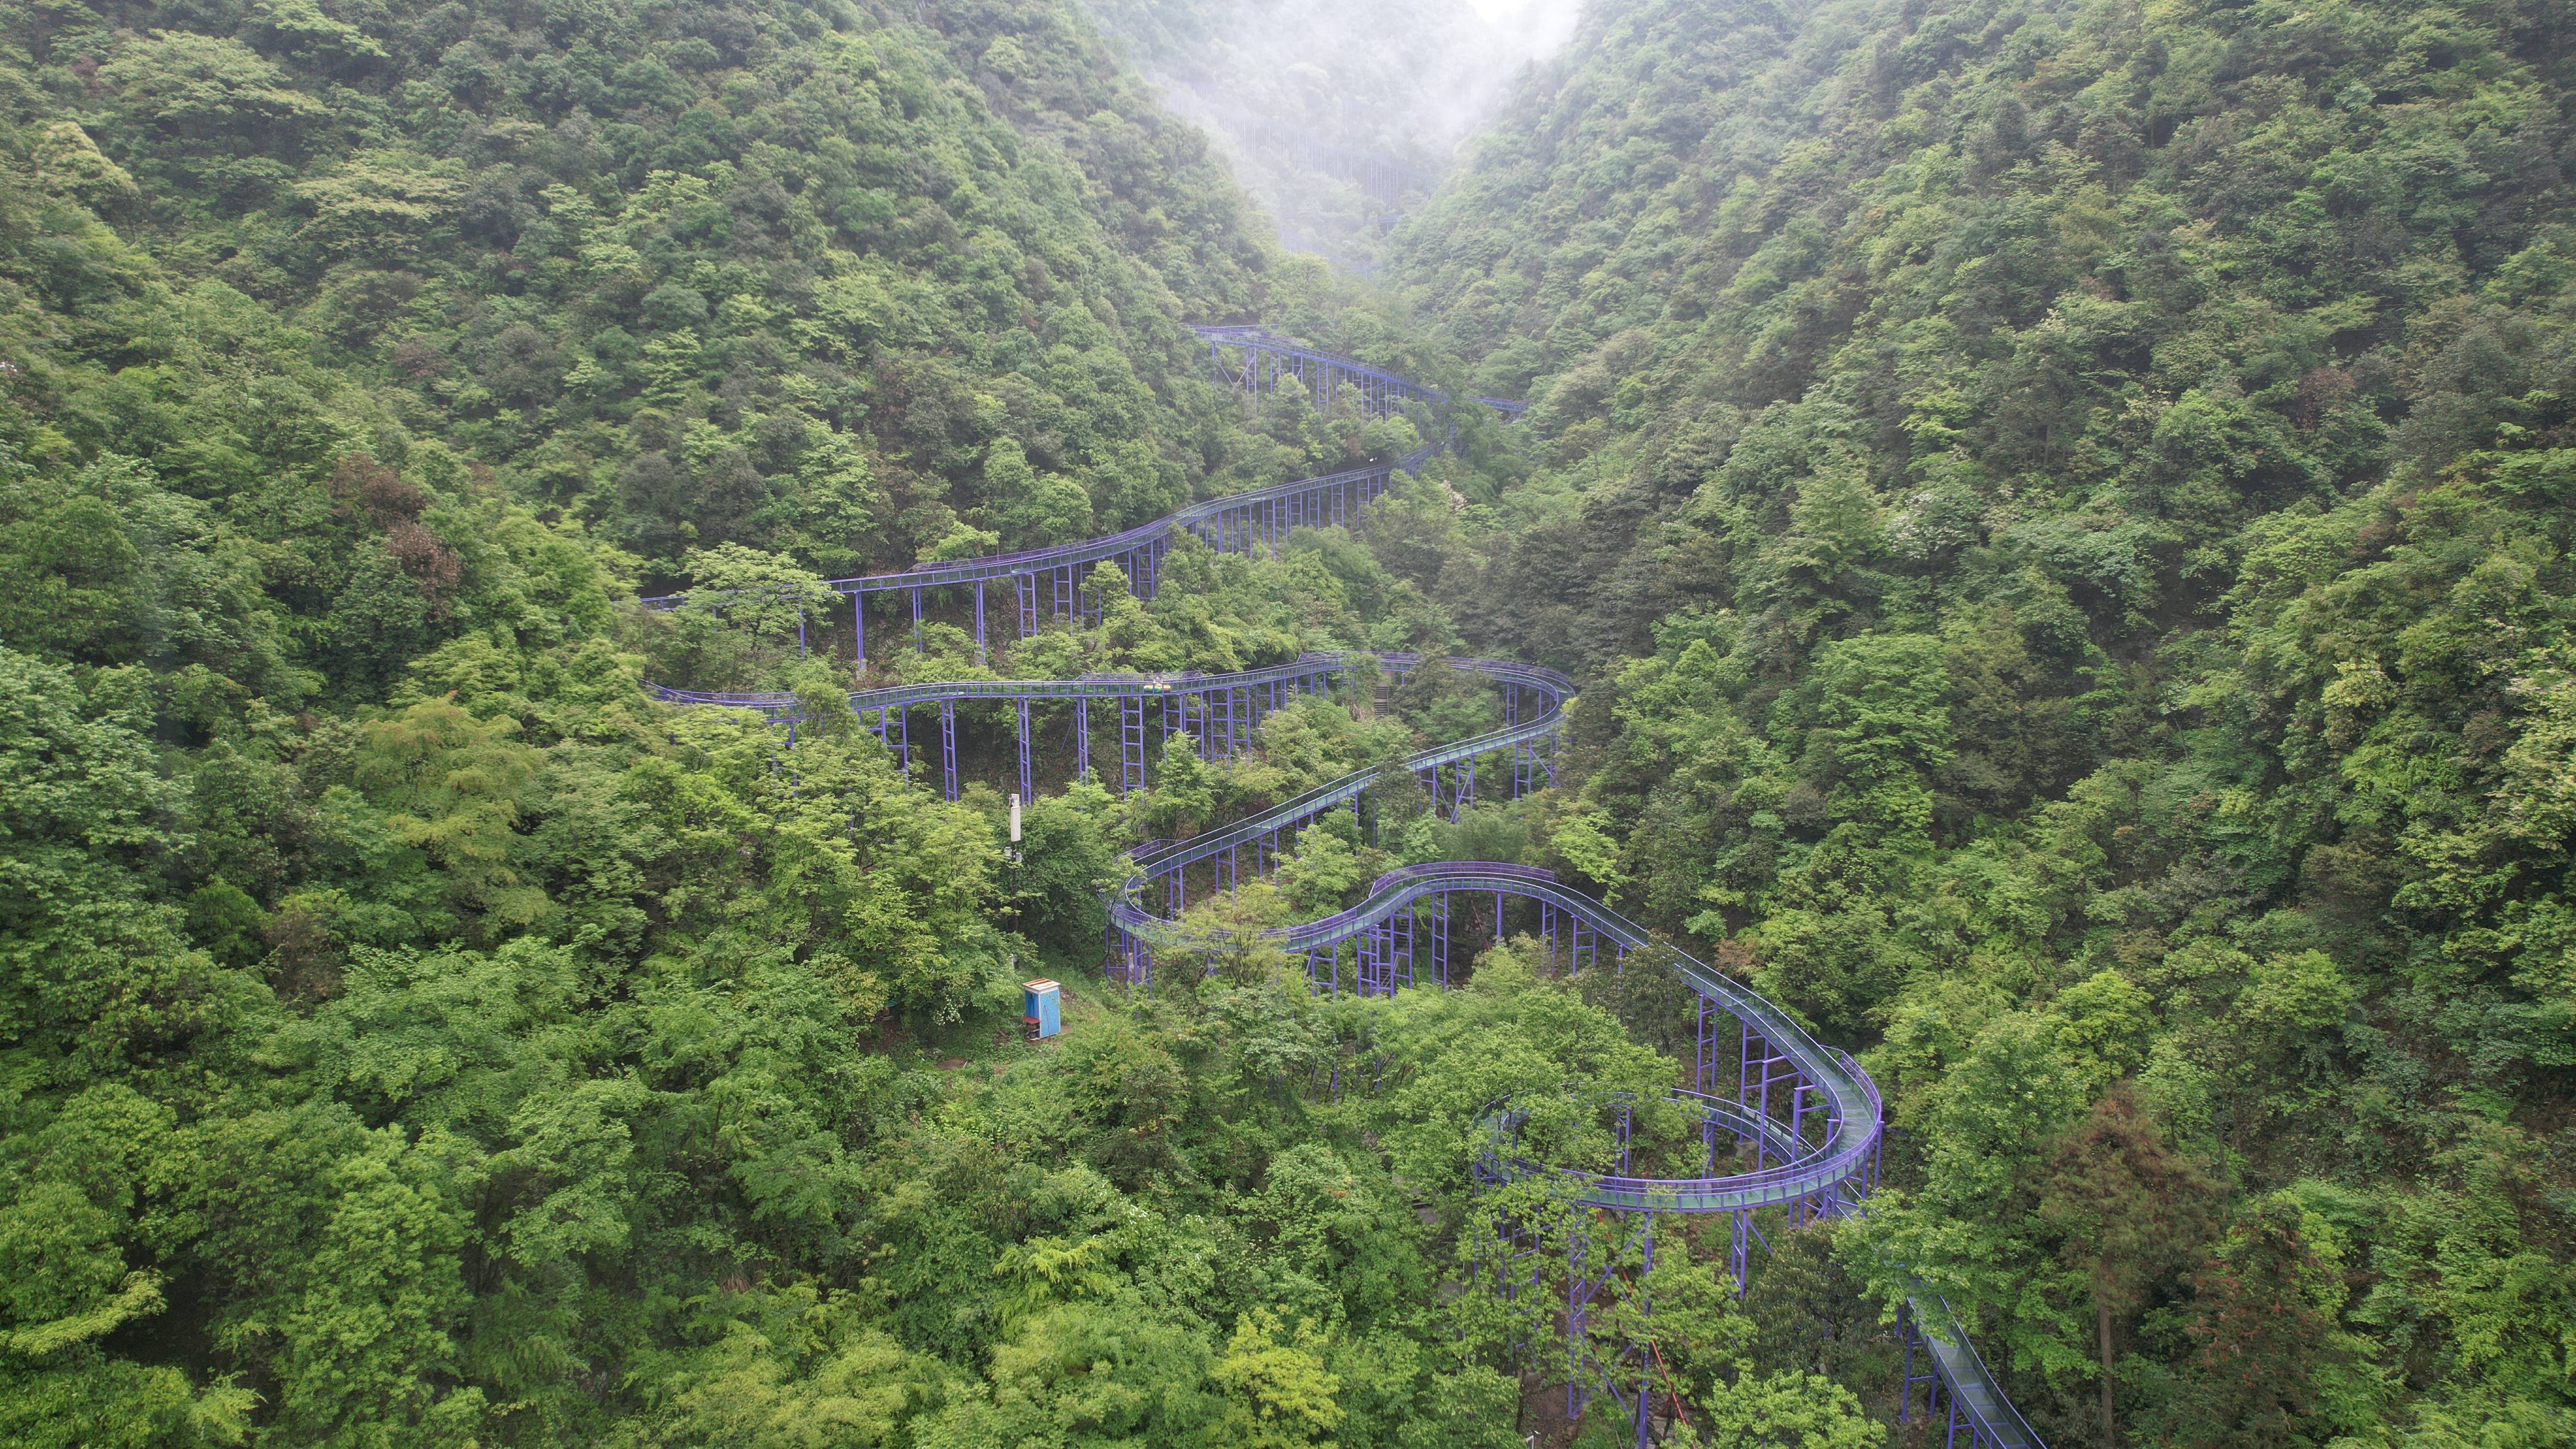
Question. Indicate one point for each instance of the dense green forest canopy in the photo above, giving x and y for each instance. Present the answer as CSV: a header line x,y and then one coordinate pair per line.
x,y
2059,513
2064,510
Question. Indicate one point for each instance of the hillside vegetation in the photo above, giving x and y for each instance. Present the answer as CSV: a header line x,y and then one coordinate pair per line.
x,y
410,1034
2059,514
2066,508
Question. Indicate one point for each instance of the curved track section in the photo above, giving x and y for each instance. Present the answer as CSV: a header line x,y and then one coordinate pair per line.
x,y
1806,1105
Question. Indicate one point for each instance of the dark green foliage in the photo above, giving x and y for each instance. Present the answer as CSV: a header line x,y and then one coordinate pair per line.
x,y
2065,511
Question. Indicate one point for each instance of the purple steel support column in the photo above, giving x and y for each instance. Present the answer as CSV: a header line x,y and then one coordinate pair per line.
x,y
859,629
1465,797
1131,742
1400,925
980,656
1440,939
1028,780
1082,739
1905,1385
916,621
903,738
1645,1311
1026,586
1744,1082
1704,1063
1584,949
1578,1299
948,746
1763,1112
1179,892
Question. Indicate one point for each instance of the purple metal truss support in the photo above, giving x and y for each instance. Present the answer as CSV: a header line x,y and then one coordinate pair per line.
x,y
859,628
981,657
948,747
916,621
1082,741
1929,1377
1399,931
903,738
1463,798
1583,949
1440,940
1645,1309
1177,890
1747,1233
1578,1305
1026,586
1704,1060
1131,742
1028,777
1759,1066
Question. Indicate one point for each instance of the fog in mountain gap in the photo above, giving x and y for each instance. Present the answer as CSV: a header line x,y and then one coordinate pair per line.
x,y
1339,115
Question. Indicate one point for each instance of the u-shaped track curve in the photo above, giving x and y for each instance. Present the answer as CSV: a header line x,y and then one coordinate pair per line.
x,y
1828,1176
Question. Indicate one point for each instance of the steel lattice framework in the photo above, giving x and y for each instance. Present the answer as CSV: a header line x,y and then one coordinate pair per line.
x,y
1807,1114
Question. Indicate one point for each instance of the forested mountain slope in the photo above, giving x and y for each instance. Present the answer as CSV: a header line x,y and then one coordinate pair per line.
x,y
410,1033
2067,507
692,276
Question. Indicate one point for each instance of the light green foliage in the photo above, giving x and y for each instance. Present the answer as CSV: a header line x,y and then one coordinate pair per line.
x,y
1787,1411
1278,1393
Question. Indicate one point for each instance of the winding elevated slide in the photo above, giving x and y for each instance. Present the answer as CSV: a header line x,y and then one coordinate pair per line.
x,y
1806,1115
